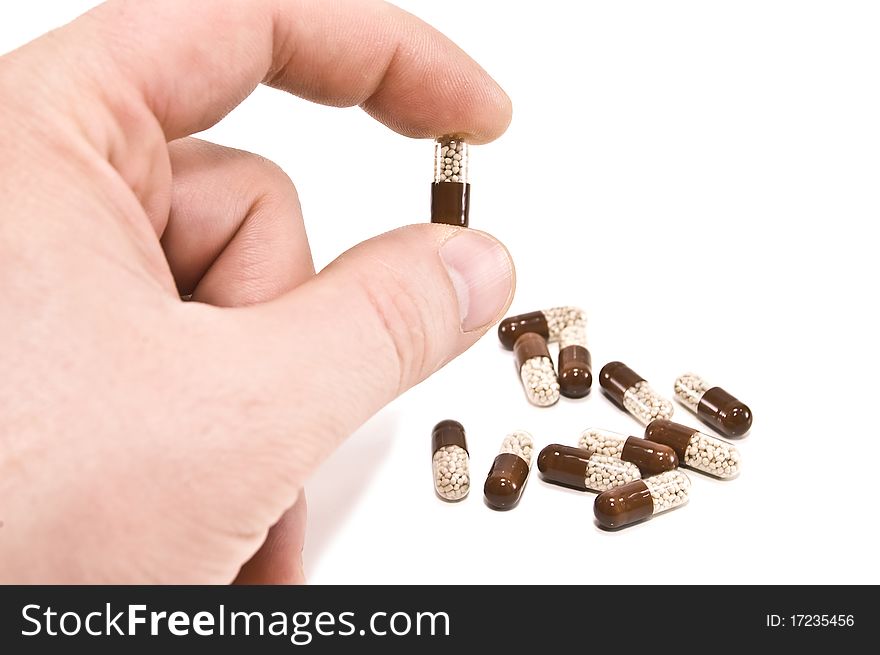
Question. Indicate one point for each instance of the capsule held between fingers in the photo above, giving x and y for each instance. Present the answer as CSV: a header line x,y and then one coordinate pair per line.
x,y
536,369
451,190
730,416
631,392
695,449
509,472
450,460
641,499
650,457
549,323
584,470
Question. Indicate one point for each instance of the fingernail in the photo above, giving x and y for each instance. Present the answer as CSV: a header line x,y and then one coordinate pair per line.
x,y
482,276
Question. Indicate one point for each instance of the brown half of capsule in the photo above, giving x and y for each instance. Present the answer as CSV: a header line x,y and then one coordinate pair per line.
x,y
651,457
575,371
528,346
564,465
616,378
725,413
512,327
450,203
674,435
505,482
623,505
448,433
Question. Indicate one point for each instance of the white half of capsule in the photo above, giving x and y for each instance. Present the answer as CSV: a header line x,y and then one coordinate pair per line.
x,y
603,442
539,381
450,160
689,390
518,443
573,335
560,318
668,490
645,404
452,479
604,472
712,455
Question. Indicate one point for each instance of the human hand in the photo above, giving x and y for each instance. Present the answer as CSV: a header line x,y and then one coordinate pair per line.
x,y
145,439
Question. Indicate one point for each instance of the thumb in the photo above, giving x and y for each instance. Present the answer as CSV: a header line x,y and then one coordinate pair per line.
x,y
314,364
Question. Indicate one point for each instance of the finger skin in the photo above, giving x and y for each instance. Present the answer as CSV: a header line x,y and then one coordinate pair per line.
x,y
279,560
119,82
379,319
130,412
234,237
336,52
235,233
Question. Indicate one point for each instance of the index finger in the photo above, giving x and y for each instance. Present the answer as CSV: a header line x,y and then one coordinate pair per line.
x,y
193,61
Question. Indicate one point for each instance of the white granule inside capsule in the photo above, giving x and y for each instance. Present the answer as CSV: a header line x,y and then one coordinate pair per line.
x,y
668,489
452,162
573,335
643,402
559,318
602,443
540,381
605,473
712,456
689,389
451,472
518,443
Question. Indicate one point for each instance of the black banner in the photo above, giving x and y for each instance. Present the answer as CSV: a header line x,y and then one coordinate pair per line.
x,y
429,619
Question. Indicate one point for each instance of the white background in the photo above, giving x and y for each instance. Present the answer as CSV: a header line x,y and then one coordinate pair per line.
x,y
703,179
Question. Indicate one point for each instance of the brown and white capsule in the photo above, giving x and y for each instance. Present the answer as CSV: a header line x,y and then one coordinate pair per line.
x,y
575,363
630,390
450,460
536,369
584,470
641,499
549,323
716,407
451,190
510,471
695,449
650,457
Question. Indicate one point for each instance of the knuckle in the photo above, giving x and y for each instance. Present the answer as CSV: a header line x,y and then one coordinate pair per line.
x,y
268,183
271,172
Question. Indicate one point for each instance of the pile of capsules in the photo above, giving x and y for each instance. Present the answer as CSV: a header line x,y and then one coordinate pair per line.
x,y
635,477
